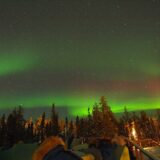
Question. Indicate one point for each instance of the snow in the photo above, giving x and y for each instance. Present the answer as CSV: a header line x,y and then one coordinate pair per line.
x,y
19,152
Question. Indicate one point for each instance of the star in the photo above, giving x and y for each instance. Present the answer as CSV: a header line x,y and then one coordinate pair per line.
x,y
125,24
118,6
113,31
89,4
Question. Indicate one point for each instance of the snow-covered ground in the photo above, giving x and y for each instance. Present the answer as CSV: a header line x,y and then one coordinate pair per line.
x,y
153,150
18,152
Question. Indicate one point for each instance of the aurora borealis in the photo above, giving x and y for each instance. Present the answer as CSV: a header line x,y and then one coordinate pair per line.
x,y
72,52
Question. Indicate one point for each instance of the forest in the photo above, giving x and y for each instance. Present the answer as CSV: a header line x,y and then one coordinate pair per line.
x,y
100,122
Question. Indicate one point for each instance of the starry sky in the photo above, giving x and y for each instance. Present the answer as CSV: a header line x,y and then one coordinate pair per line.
x,y
72,52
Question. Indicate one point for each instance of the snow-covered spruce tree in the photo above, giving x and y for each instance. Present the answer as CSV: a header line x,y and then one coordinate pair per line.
x,y
105,124
109,122
97,121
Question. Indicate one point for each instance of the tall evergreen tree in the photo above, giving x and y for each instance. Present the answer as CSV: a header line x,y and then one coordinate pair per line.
x,y
11,129
77,127
3,130
20,123
126,116
82,128
48,129
42,127
16,126
97,120
145,125
90,124
54,121
30,132
109,122
71,127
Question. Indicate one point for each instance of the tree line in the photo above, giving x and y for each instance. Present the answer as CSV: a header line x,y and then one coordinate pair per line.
x,y
100,122
145,126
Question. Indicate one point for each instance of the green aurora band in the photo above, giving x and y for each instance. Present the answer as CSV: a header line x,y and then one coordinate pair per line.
x,y
16,63
79,105
72,53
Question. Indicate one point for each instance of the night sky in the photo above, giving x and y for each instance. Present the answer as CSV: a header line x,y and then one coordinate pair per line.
x,y
71,52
